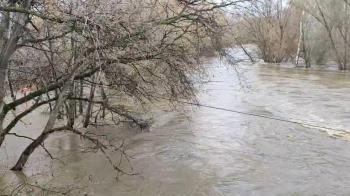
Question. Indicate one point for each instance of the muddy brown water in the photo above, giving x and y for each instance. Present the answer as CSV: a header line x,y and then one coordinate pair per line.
x,y
204,151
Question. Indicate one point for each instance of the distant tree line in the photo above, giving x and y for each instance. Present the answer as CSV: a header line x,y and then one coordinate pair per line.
x,y
316,31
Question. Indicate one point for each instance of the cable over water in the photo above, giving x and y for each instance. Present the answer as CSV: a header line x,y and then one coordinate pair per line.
x,y
331,131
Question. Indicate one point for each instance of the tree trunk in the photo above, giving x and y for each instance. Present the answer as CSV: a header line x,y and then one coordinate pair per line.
x,y
104,99
301,34
330,36
346,37
13,27
306,50
66,90
247,53
5,55
30,149
49,127
90,104
81,93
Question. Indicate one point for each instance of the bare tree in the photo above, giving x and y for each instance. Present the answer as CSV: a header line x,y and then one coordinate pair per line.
x,y
267,24
136,50
333,16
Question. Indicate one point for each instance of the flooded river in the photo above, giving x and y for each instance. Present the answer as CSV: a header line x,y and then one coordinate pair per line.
x,y
204,151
